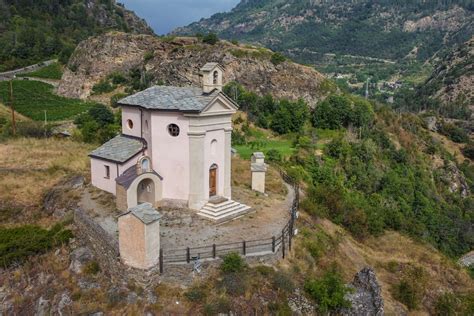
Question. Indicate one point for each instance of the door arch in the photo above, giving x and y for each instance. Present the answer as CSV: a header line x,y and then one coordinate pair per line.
x,y
146,191
213,180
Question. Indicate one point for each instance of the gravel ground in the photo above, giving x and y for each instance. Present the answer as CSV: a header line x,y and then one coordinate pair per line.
x,y
181,228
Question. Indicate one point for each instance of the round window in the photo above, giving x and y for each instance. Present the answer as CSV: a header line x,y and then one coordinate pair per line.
x,y
173,129
130,124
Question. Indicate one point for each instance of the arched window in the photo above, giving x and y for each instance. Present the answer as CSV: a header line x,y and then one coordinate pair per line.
x,y
215,77
145,164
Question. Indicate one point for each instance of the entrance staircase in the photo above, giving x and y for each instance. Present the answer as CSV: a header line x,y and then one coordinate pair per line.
x,y
220,209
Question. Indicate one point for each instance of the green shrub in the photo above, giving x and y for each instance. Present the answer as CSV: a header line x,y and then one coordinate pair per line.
x,y
277,58
447,304
468,151
19,243
407,293
101,114
233,262
115,98
92,268
195,294
102,86
456,134
148,56
211,39
273,155
411,288
117,78
283,282
328,291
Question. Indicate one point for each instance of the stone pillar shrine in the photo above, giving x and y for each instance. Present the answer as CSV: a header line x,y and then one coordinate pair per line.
x,y
139,236
259,169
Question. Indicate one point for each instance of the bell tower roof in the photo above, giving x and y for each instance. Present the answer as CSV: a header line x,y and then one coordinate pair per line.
x,y
211,77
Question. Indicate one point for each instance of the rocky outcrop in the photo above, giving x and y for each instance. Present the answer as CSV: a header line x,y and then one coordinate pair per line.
x,y
366,298
454,179
177,62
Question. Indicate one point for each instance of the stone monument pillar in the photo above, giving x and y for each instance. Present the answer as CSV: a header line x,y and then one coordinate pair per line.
x,y
139,236
259,169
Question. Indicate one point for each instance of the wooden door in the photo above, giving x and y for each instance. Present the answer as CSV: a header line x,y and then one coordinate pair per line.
x,y
213,181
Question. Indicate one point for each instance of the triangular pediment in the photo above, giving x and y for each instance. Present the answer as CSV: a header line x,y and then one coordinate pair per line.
x,y
220,105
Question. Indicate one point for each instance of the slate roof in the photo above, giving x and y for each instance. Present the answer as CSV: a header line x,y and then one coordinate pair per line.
x,y
144,212
119,149
186,99
129,175
209,67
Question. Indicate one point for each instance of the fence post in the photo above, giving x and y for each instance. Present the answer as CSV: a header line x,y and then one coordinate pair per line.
x,y
244,248
283,243
188,255
290,230
273,244
161,260
214,251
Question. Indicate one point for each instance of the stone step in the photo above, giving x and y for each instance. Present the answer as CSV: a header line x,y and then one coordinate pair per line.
x,y
220,209
224,211
227,217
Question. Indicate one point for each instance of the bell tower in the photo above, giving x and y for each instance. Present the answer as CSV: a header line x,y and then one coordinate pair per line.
x,y
211,74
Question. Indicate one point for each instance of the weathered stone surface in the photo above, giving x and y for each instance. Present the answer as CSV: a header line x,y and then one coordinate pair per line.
x,y
178,63
367,296
455,179
42,307
79,258
299,304
467,260
57,202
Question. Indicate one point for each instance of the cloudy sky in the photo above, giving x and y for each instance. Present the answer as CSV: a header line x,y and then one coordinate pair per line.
x,y
165,15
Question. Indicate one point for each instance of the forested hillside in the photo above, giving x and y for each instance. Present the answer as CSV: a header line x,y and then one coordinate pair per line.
x,y
308,30
34,30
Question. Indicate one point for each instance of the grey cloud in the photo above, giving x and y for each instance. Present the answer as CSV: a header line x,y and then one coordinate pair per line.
x,y
165,15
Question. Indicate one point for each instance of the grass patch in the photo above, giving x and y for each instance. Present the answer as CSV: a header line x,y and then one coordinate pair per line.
x,y
53,71
283,146
17,244
32,98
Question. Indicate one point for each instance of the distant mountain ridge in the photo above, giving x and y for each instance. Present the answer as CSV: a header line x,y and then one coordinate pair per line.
x,y
35,30
309,29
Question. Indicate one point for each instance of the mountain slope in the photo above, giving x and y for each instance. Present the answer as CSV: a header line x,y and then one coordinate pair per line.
x,y
307,30
452,81
177,62
33,31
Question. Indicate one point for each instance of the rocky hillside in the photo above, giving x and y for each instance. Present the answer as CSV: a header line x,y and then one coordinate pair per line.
x,y
452,81
176,61
308,30
32,31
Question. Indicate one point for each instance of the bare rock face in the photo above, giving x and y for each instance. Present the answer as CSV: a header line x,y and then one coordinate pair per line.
x,y
177,62
367,296
455,179
79,258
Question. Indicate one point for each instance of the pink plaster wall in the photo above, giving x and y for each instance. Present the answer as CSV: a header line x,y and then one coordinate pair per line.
x,y
98,175
218,157
133,114
170,155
